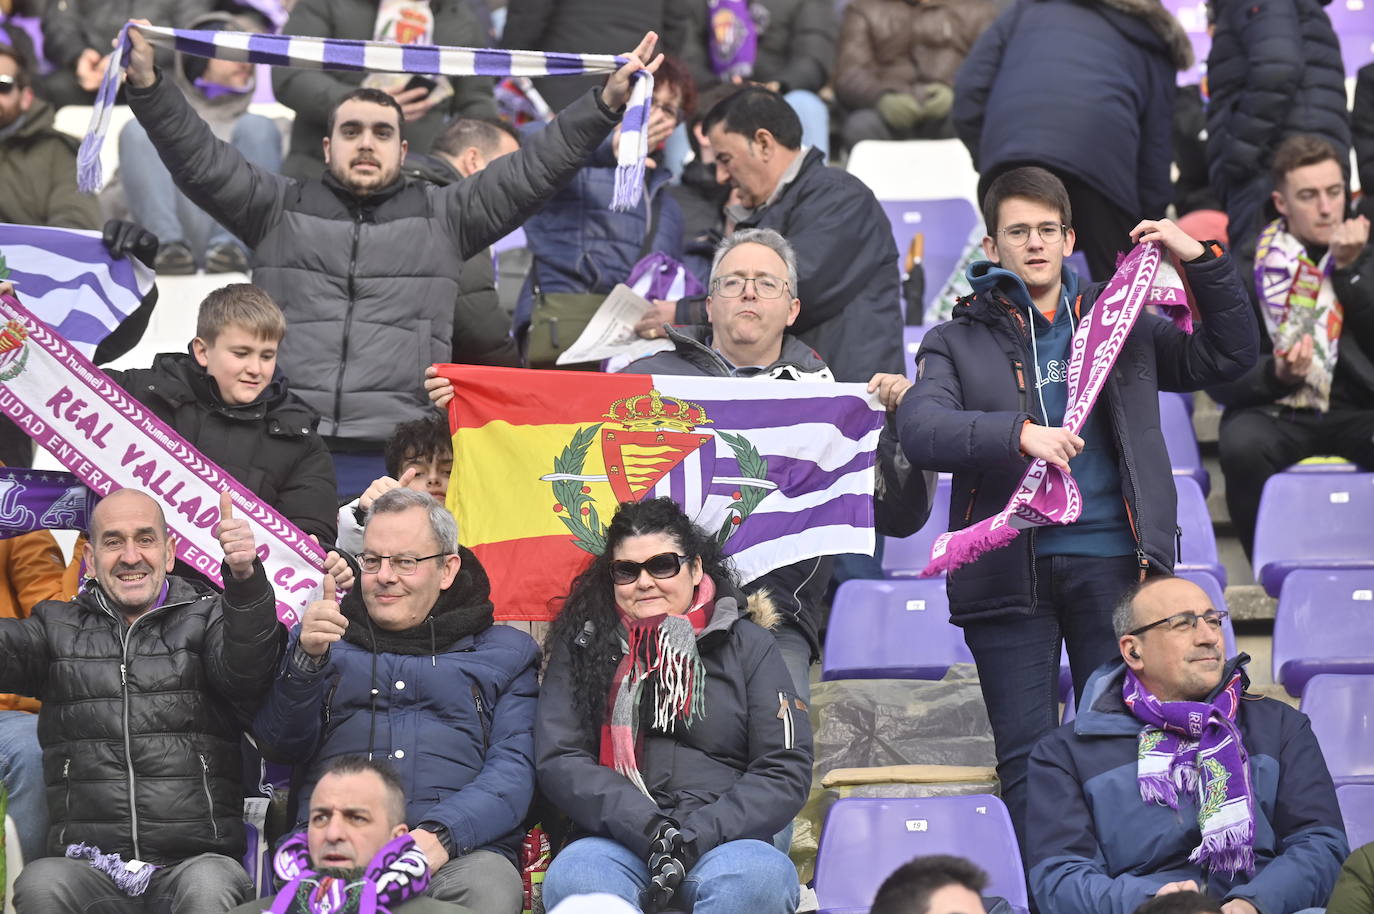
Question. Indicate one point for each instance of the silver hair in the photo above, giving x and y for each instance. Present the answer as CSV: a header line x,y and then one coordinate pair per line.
x,y
1123,615
441,522
766,237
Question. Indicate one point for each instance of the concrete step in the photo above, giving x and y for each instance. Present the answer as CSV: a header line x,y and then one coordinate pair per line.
x,y
1249,602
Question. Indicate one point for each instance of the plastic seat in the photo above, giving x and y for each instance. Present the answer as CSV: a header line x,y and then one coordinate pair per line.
x,y
1323,465
915,169
911,342
891,630
1324,624
1218,597
1181,441
1314,520
1341,709
865,839
1357,809
905,557
1199,540
944,226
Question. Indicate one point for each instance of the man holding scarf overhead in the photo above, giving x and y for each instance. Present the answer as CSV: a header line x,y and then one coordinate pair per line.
x,y
1172,778
995,390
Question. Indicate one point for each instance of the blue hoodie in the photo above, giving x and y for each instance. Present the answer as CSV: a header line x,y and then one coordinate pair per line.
x,y
1102,529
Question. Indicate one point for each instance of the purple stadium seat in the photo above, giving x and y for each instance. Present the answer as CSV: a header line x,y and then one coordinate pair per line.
x,y
1323,465
944,223
1324,624
1181,441
891,630
1342,712
1314,520
911,339
865,839
1198,540
1078,262
1357,809
1218,598
905,557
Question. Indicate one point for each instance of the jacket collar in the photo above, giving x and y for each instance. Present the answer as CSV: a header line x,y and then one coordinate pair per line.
x,y
1104,713
807,157
179,379
797,362
372,200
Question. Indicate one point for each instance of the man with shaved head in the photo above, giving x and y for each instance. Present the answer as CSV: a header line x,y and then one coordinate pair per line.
x,y
146,680
1174,778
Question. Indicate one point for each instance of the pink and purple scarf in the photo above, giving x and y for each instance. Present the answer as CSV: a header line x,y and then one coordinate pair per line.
x,y
398,873
1196,747
1047,495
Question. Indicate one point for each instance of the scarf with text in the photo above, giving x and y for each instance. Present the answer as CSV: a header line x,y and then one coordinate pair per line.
x,y
661,652
1048,495
1196,747
397,874
378,57
42,500
1297,298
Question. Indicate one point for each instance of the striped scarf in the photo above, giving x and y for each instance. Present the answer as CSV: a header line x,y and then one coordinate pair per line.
x,y
398,873
378,57
664,649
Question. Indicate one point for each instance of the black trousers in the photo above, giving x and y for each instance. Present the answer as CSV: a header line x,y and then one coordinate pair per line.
x,y
1257,442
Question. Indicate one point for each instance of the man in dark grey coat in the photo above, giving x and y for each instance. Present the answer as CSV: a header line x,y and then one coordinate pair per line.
x,y
365,264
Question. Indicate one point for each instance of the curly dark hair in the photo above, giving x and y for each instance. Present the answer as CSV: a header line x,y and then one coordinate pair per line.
x,y
419,439
588,627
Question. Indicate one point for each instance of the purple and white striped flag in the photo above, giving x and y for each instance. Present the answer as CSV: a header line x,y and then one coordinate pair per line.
x,y
69,280
378,57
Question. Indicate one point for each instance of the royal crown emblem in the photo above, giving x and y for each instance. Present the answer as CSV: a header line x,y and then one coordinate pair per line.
x,y
654,434
13,353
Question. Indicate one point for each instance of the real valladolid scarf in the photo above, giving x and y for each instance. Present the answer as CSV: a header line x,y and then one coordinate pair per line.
x,y
1047,495
398,873
378,57
1196,747
1297,297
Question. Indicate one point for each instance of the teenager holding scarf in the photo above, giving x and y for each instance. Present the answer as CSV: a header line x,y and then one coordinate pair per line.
x,y
668,727
991,396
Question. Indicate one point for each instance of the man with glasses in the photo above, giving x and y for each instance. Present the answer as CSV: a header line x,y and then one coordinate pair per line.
x,y
409,668
991,394
1172,778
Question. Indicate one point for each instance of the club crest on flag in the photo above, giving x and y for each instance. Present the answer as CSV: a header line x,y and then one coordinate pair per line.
x,y
13,354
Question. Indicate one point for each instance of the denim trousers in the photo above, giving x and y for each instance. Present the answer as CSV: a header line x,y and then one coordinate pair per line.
x,y
157,205
21,768
737,876
1018,657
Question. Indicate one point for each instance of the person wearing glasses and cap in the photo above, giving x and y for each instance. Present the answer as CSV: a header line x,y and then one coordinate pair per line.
x,y
1173,778
668,727
409,668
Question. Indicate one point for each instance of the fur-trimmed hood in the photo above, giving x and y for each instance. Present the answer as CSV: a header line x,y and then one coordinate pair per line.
x,y
1162,23
761,610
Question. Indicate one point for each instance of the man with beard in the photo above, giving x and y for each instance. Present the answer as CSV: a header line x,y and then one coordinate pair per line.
x,y
366,262
144,678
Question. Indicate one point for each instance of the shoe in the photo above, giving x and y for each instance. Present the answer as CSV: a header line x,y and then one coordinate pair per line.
x,y
226,257
174,259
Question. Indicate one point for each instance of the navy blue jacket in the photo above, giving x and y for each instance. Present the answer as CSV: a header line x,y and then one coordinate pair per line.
x,y
1115,58
1094,847
965,413
457,725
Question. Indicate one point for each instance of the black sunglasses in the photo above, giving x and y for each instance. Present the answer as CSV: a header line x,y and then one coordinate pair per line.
x,y
8,84
662,566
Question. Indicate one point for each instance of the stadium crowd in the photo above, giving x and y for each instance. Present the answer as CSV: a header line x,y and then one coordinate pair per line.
x,y
658,737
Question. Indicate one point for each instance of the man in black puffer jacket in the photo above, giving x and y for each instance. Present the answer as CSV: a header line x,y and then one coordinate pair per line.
x,y
146,681
1274,70
991,394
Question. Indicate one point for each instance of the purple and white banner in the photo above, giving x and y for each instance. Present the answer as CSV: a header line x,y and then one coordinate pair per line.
x,y
42,500
110,441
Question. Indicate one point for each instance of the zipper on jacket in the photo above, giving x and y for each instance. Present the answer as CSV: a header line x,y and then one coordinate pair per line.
x,y
1035,579
66,799
1178,544
205,783
348,320
482,718
968,512
789,736
1132,498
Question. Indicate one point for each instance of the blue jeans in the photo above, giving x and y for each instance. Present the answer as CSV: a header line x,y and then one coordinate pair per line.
x,y
749,876
21,767
157,205
1018,657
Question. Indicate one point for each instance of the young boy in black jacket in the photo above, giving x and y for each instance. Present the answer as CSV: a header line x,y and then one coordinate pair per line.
x,y
223,396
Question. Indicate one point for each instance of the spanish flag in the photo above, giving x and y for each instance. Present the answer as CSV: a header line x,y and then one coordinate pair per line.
x,y
779,471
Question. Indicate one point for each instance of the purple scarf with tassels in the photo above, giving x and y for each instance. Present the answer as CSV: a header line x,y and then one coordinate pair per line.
x,y
1047,495
398,873
132,876
1196,747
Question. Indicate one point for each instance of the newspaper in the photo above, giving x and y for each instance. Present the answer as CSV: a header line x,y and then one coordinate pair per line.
x,y
611,331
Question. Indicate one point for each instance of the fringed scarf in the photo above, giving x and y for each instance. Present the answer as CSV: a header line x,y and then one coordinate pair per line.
x,y
378,57
130,877
1047,495
1297,297
1196,747
660,651
398,873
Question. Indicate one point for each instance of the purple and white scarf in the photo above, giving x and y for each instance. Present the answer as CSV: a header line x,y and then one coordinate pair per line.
x,y
1297,297
1047,495
732,39
398,873
378,57
42,500
1196,747
131,877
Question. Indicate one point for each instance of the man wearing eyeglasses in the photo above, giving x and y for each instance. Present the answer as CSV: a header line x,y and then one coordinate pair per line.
x,y
1172,778
410,669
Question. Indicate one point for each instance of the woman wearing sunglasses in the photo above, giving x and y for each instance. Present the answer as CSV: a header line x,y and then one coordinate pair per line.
x,y
668,729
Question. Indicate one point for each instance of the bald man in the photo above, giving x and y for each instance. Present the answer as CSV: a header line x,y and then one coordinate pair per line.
x,y
1173,778
144,680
